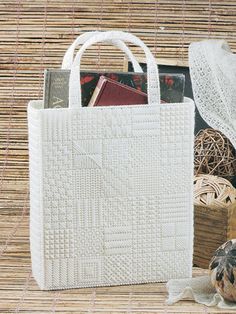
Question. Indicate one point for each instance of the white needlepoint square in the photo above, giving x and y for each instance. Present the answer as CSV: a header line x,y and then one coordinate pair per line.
x,y
88,212
88,125
168,244
57,155
84,178
117,123
87,154
117,240
168,229
116,152
89,270
90,242
118,268
182,243
181,228
115,182
115,212
58,185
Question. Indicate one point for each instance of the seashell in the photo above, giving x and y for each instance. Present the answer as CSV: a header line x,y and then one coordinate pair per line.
x,y
223,270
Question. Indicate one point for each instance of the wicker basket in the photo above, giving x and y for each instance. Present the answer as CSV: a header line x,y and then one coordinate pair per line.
x,y
214,216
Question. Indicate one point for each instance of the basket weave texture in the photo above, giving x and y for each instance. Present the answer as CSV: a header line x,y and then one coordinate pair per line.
x,y
212,191
214,216
214,154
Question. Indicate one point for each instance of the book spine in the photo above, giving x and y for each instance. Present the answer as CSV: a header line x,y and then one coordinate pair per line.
x,y
95,97
46,88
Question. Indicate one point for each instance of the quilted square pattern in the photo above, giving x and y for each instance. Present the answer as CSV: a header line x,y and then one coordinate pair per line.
x,y
114,203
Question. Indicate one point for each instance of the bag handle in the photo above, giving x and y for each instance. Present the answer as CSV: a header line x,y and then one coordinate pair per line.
x,y
153,86
69,55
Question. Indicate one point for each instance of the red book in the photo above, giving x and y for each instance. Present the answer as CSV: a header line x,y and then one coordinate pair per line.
x,y
111,93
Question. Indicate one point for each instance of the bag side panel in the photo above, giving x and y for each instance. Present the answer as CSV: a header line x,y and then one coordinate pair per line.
x,y
35,173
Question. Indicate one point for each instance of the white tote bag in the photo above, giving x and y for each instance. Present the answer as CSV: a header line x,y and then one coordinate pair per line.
x,y
111,187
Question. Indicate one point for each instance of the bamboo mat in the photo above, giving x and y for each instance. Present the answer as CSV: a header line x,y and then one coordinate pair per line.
x,y
34,35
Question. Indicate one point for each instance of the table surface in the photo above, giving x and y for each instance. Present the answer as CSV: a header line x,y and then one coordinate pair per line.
x,y
19,292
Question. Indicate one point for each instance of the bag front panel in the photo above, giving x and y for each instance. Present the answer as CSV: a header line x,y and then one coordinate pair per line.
x,y
117,197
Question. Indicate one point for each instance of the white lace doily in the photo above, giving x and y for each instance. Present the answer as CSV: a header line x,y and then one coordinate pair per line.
x,y
213,75
198,289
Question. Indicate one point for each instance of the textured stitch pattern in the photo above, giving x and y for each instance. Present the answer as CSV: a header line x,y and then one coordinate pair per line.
x,y
116,194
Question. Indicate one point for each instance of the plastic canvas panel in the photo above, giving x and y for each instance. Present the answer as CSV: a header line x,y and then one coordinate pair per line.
x,y
111,194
